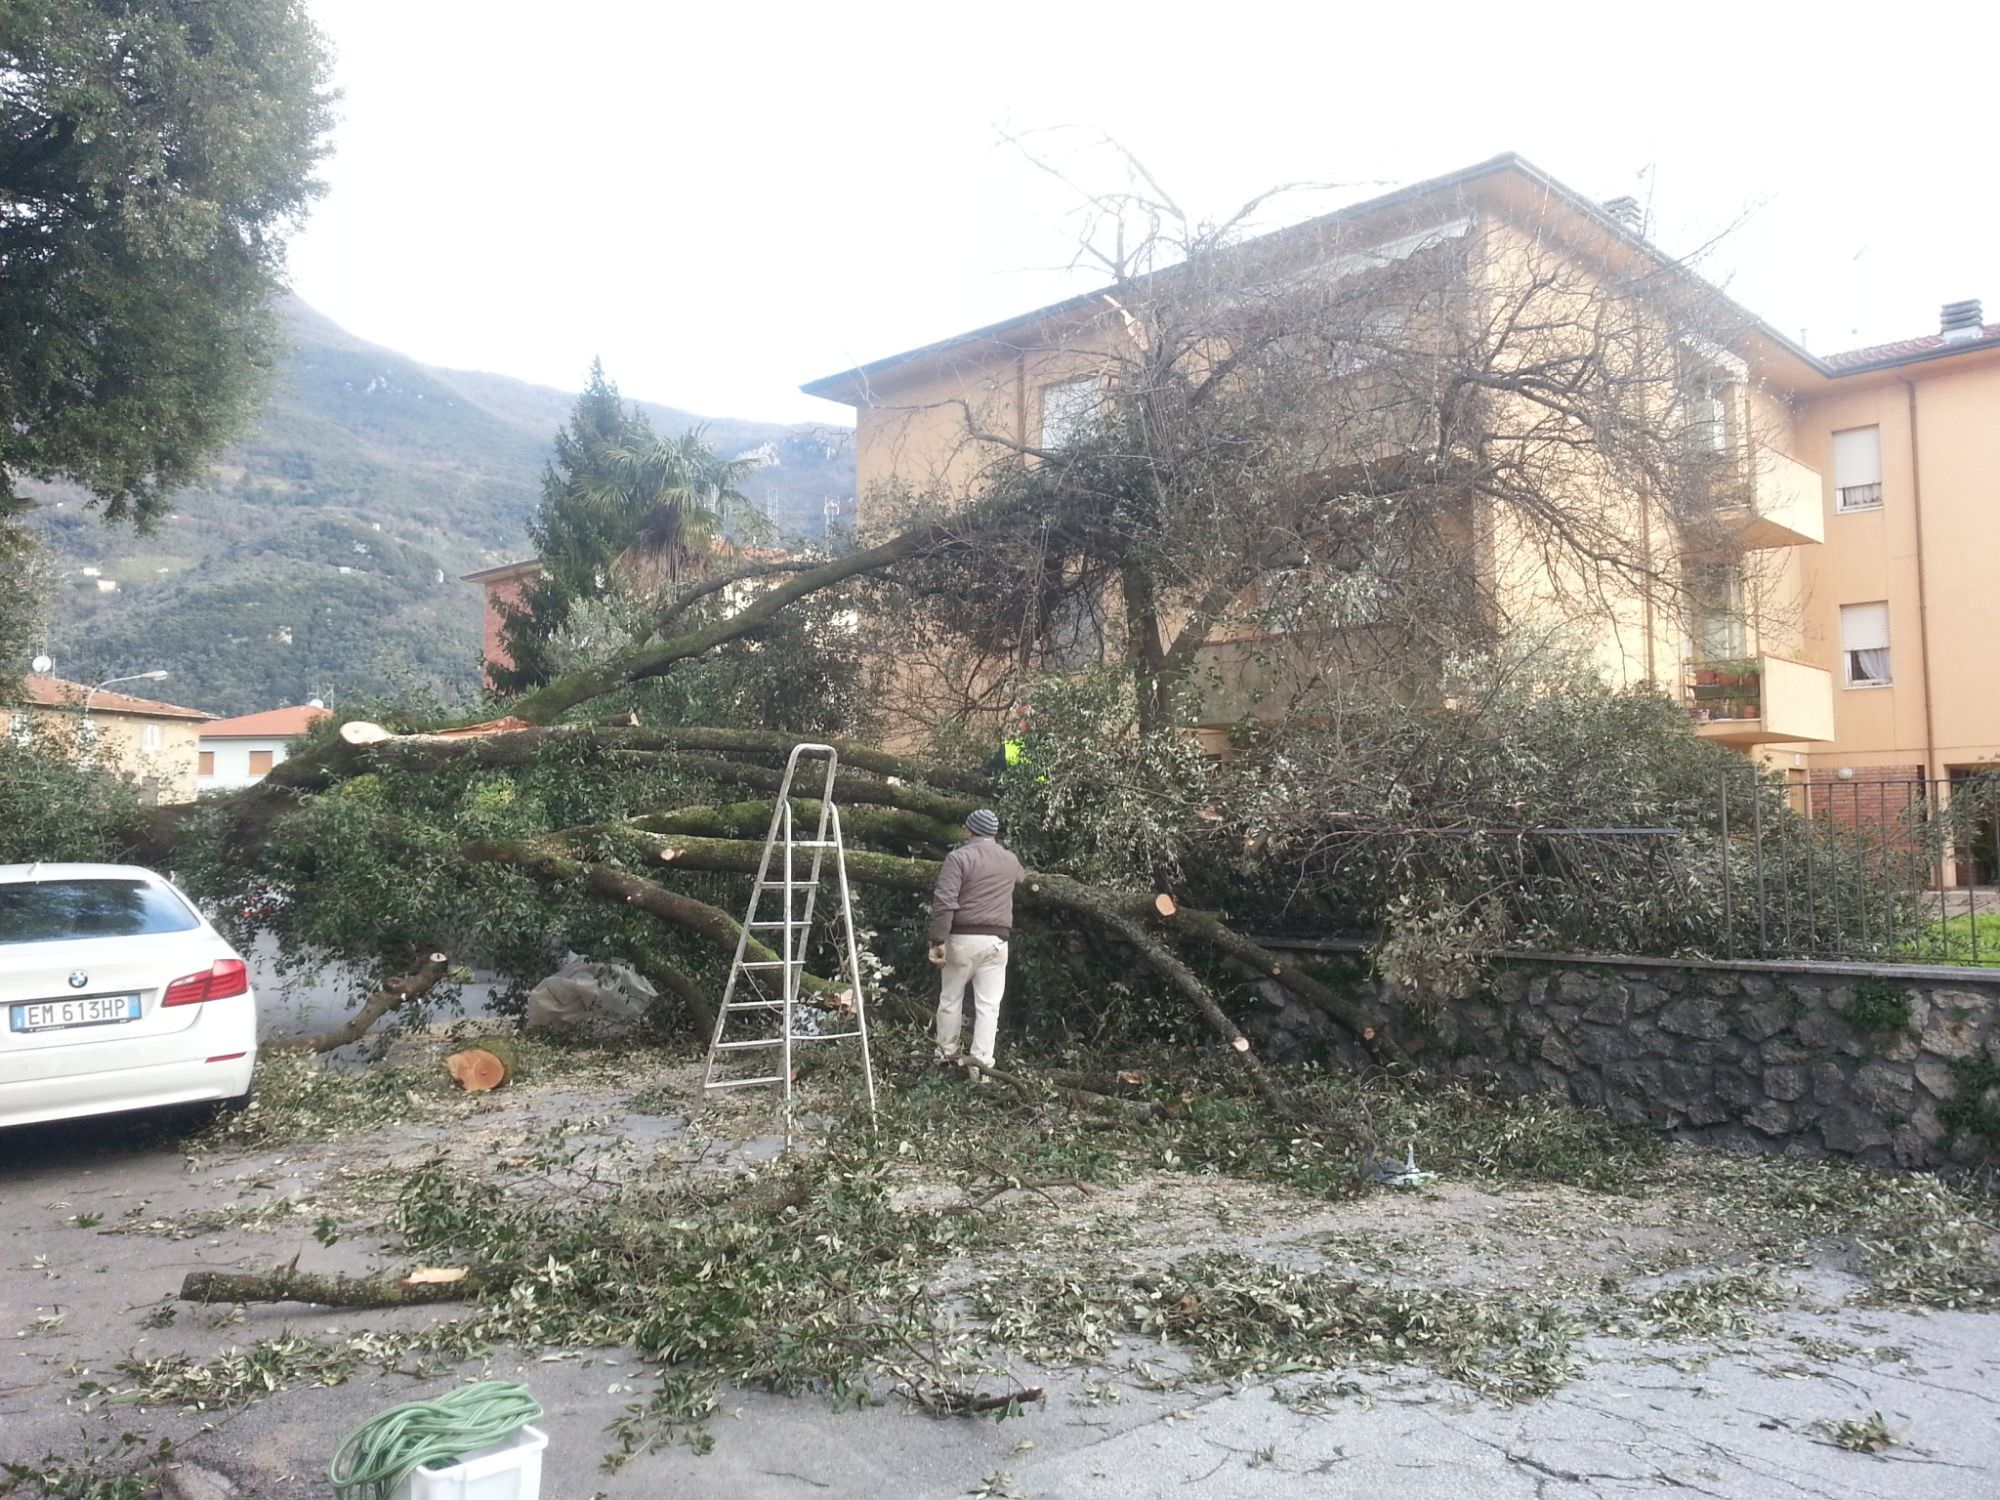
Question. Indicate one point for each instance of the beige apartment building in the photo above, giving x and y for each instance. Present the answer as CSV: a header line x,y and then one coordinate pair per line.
x,y
1849,642
154,745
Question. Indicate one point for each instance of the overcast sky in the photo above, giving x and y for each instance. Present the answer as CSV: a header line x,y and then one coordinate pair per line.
x,y
726,200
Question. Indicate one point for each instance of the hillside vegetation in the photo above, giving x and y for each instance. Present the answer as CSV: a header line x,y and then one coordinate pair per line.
x,y
323,555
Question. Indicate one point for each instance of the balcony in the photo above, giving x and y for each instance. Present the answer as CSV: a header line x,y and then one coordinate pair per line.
x,y
1783,504
1760,700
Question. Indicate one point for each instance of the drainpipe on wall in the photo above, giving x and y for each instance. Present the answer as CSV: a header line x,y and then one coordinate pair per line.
x,y
1923,594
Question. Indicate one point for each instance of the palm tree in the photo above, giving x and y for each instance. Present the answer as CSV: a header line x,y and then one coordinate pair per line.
x,y
670,507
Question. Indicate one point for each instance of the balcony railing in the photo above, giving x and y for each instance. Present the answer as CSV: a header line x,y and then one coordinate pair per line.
x,y
1759,700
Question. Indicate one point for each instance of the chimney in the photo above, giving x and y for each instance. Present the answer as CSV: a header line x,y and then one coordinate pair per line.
x,y
1626,211
1960,321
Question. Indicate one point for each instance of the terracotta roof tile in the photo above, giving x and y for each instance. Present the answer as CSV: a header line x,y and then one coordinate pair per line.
x,y
1901,349
271,724
57,692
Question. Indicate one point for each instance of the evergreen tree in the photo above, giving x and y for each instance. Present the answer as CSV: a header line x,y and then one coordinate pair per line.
x,y
575,540
151,157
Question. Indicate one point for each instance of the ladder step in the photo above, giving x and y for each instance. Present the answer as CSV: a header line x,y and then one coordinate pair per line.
x,y
743,1083
799,923
755,1005
772,963
815,843
762,1041
824,1036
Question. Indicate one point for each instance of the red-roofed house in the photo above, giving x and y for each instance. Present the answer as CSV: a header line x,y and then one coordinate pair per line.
x,y
154,744
238,752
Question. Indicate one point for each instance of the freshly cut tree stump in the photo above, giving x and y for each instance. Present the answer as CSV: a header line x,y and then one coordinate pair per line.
x,y
481,1069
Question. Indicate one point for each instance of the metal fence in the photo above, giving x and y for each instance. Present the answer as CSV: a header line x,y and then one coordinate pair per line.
x,y
1875,865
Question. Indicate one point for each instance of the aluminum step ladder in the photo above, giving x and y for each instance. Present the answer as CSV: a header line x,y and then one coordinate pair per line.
x,y
767,989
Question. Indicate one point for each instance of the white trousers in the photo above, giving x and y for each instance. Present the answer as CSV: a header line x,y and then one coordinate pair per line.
x,y
981,961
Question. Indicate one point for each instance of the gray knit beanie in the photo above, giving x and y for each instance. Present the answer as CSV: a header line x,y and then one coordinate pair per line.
x,y
985,823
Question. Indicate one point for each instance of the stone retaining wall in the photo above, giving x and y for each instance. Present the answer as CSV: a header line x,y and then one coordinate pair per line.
x,y
1892,1065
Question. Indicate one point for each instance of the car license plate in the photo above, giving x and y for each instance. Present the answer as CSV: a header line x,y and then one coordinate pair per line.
x,y
54,1015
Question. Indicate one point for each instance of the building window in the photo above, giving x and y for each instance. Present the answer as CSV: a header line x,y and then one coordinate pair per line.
x,y
260,762
149,737
1717,621
1069,411
1857,468
1707,429
205,763
1864,643
1074,637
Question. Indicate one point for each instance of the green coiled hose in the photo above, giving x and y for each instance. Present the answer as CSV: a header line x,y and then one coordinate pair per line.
x,y
379,1454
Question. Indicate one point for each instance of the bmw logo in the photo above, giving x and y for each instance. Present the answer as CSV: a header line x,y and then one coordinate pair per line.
x,y
78,980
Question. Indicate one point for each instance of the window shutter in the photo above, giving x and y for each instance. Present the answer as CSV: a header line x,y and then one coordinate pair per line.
x,y
1857,468
1857,457
1864,627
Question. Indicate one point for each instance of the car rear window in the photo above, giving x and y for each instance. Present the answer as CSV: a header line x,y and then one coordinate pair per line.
x,y
49,911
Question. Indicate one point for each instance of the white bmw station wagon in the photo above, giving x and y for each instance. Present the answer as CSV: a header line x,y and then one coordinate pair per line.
x,y
115,994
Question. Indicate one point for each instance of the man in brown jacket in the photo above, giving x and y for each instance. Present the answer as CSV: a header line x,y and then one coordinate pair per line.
x,y
972,920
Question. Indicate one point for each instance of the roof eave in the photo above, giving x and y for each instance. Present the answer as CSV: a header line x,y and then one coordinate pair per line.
x,y
852,387
1921,357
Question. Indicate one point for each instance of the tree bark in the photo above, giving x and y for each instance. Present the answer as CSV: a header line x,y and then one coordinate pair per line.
x,y
849,790
550,864
751,820
1367,1029
285,1285
392,996
371,745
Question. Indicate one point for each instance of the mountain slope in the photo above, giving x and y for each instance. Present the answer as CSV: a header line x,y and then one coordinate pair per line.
x,y
322,556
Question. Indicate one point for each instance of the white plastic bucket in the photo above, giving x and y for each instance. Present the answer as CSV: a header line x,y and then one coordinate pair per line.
x,y
507,1470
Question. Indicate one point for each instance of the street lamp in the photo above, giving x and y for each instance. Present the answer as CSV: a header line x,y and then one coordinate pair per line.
x,y
114,681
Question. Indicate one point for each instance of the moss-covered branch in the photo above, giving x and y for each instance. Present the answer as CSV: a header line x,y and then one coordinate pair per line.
x,y
751,820
545,861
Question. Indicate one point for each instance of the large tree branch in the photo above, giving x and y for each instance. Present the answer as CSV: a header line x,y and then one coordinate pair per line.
x,y
1114,912
397,993
371,745
636,663
553,865
750,820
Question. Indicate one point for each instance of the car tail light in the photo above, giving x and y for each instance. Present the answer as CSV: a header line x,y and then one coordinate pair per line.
x,y
220,980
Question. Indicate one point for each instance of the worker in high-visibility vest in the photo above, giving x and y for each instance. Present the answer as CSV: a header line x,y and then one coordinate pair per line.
x,y
1013,752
